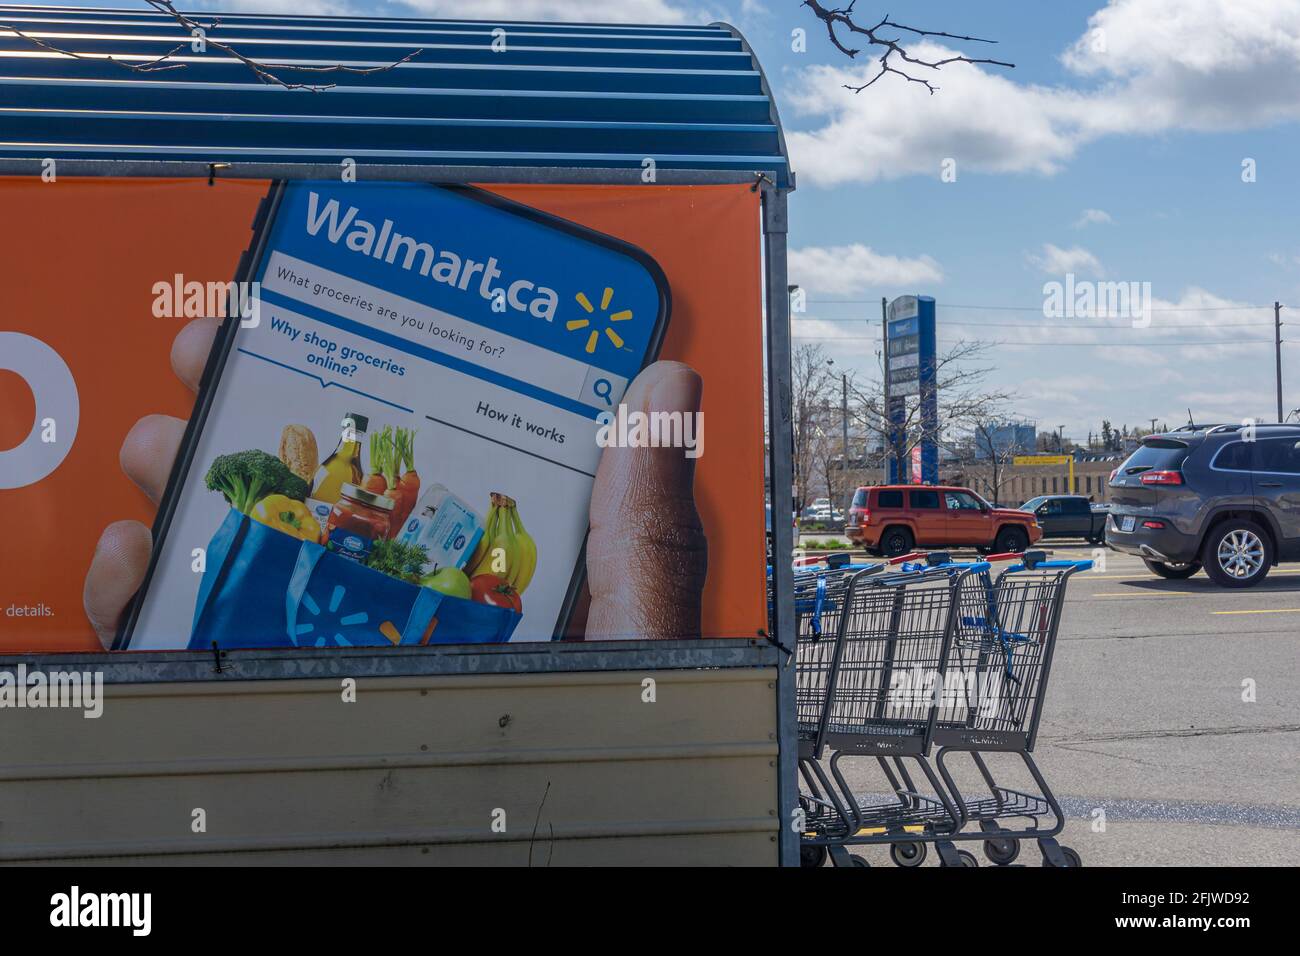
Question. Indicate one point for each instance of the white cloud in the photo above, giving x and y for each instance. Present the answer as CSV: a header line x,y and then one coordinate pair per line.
x,y
1197,65
1057,261
1091,217
841,270
984,121
844,340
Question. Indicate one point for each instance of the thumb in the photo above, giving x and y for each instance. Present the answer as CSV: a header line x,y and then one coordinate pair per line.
x,y
647,556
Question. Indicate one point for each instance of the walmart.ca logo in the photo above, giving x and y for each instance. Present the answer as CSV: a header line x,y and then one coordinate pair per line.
x,y
593,336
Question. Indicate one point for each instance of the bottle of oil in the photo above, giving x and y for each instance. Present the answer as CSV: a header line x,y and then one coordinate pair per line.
x,y
344,465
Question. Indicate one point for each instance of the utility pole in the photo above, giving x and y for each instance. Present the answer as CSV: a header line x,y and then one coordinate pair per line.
x,y
1277,340
844,421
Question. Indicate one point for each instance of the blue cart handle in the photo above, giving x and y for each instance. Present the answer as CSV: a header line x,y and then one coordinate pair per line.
x,y
1058,564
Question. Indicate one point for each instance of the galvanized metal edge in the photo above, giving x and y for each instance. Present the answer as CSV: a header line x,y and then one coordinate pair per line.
x,y
780,465
146,667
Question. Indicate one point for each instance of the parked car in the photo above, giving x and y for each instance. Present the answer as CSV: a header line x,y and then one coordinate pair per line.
x,y
1221,497
1068,516
895,519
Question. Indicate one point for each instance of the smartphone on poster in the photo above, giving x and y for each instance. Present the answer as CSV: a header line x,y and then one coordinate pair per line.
x,y
413,366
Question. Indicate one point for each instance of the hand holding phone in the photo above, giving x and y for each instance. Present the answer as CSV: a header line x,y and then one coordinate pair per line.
x,y
645,555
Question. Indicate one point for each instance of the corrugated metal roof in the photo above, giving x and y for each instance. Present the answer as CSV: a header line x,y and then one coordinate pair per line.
x,y
572,95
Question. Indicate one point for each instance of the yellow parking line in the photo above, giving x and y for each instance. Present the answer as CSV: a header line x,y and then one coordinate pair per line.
x,y
1142,593
1086,576
1267,610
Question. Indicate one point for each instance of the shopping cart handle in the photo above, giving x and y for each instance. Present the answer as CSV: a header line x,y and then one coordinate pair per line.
x,y
938,557
1032,559
1075,565
910,556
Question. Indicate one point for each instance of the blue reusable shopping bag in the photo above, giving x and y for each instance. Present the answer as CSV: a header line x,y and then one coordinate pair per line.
x,y
263,588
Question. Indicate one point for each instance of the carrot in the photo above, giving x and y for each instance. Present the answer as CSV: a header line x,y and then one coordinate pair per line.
x,y
408,483
390,466
376,483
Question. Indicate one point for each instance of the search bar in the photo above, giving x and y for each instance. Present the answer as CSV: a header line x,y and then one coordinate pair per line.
x,y
442,332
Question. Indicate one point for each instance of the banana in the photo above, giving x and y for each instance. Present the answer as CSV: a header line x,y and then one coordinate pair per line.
x,y
498,541
481,549
527,550
504,537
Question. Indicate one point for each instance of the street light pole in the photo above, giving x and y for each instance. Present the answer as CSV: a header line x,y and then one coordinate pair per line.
x,y
844,415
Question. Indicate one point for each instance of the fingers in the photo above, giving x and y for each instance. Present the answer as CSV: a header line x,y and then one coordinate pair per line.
x,y
646,554
149,451
190,350
116,572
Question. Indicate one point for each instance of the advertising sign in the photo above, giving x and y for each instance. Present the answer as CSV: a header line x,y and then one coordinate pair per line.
x,y
435,415
911,346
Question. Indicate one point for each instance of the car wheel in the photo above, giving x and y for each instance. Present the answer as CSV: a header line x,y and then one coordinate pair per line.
x,y
896,541
1237,554
1011,539
1174,571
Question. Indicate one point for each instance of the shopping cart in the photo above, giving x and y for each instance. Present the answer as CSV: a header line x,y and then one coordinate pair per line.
x,y
941,653
820,596
894,629
1000,662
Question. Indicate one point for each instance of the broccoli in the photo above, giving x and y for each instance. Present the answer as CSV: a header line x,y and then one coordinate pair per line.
x,y
245,477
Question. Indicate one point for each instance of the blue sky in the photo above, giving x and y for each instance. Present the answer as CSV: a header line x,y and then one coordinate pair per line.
x,y
1140,110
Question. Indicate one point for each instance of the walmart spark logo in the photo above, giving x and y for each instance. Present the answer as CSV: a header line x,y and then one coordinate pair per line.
x,y
593,336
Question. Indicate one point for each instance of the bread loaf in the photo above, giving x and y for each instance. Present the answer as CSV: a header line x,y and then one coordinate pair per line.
x,y
298,451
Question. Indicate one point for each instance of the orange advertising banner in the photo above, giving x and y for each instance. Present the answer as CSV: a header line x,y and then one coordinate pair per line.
x,y
446,404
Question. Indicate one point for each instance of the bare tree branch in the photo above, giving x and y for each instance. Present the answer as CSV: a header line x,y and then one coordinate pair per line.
x,y
893,46
263,71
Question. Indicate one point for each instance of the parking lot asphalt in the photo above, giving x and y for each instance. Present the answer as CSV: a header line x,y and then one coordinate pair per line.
x,y
1170,732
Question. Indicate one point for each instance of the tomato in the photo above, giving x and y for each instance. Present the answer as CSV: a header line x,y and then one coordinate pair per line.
x,y
492,589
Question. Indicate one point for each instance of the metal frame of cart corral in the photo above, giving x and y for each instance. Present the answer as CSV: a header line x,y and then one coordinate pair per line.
x,y
566,104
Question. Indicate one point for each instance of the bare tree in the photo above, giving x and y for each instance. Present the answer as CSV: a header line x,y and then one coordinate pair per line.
x,y
1000,455
886,35
811,383
197,31
964,399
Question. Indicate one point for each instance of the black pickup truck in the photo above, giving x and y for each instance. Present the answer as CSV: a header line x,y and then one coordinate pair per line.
x,y
1068,516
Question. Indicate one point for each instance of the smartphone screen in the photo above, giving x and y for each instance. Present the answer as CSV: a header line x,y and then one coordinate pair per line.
x,y
420,366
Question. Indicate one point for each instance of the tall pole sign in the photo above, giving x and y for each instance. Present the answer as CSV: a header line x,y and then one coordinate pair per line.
x,y
910,367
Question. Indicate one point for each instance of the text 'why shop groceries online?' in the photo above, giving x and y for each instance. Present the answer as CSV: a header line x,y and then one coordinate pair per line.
x,y
421,325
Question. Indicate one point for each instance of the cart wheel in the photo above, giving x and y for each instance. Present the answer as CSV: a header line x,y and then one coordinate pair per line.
x,y
1001,851
1072,858
858,861
968,859
812,855
907,854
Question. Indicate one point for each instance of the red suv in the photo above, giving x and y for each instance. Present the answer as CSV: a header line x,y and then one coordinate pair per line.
x,y
894,519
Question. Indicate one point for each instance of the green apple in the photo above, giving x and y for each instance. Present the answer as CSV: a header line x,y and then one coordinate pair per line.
x,y
450,581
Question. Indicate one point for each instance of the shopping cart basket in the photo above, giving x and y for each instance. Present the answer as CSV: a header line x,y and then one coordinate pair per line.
x,y
820,596
895,629
997,682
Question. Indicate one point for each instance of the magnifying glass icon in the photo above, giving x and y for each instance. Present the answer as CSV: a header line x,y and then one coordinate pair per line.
x,y
603,389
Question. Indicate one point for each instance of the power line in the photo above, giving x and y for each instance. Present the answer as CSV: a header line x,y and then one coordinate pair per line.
x,y
1050,345
1043,325
1039,308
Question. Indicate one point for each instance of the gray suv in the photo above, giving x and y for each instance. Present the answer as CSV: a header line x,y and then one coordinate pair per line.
x,y
1225,498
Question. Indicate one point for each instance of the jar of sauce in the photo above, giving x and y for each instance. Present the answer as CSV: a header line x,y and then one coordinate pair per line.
x,y
358,519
